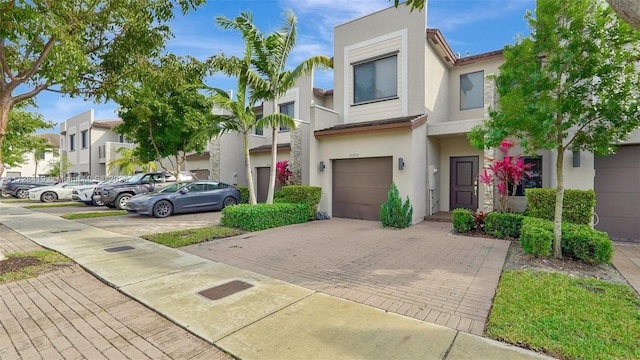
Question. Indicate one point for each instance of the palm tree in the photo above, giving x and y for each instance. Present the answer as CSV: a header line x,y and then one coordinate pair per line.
x,y
238,114
271,56
128,162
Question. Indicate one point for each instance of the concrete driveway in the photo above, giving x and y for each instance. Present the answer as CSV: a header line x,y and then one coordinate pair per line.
x,y
422,272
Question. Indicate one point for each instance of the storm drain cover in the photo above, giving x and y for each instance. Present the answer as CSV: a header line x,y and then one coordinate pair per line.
x,y
220,291
119,248
64,231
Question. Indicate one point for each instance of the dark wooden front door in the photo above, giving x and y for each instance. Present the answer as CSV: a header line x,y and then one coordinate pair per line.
x,y
464,183
262,184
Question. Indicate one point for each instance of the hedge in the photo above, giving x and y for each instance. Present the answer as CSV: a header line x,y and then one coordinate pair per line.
x,y
463,220
300,194
503,225
264,216
579,241
577,205
244,194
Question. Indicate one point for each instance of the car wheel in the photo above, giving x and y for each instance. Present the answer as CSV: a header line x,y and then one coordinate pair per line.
x,y
95,202
122,200
48,197
162,209
110,206
229,201
21,193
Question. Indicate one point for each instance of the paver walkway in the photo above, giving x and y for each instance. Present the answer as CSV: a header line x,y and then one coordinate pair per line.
x,y
422,272
626,258
69,314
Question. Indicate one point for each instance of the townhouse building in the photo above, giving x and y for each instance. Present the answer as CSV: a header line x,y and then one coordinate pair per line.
x,y
37,163
402,105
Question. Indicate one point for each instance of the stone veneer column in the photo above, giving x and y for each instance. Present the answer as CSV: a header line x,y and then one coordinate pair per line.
x,y
488,196
214,159
296,155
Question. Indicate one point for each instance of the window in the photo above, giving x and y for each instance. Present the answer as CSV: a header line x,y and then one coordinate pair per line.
x,y
288,110
40,155
375,80
259,130
535,181
83,139
472,90
121,138
72,142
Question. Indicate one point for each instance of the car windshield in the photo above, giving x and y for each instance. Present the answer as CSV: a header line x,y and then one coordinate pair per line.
x,y
135,178
172,188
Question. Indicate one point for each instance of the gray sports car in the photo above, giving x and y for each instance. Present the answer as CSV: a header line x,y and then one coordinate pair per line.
x,y
203,195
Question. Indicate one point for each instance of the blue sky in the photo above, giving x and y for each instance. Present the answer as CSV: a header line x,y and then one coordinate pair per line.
x,y
473,26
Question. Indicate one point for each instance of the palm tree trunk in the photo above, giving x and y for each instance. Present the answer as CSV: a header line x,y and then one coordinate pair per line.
x,y
247,157
272,171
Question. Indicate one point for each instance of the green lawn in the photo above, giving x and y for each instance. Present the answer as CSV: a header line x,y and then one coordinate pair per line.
x,y
192,236
51,205
46,258
565,317
94,214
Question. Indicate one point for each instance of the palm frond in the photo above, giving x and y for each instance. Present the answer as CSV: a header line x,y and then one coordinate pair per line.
x,y
277,120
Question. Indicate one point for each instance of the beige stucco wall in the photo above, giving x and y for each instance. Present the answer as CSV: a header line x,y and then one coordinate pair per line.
x,y
437,93
398,144
392,29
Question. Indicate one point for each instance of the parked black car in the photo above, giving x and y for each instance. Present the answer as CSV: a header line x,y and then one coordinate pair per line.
x,y
117,195
19,187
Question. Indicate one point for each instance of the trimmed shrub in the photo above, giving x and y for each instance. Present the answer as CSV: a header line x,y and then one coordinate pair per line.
x,y
503,225
394,213
536,236
300,194
463,220
586,244
577,205
264,216
244,194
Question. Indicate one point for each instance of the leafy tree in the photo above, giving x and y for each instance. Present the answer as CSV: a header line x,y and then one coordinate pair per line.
x,y
415,4
128,162
571,85
270,60
76,47
163,111
19,138
60,167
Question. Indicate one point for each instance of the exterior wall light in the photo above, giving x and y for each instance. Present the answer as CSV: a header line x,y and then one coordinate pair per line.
x,y
400,164
321,166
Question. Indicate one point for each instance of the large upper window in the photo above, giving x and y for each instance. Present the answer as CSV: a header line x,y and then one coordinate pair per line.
x,y
472,90
535,181
259,130
286,109
375,80
84,138
72,142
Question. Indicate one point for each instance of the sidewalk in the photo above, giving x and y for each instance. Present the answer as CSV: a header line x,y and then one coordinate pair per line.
x,y
270,319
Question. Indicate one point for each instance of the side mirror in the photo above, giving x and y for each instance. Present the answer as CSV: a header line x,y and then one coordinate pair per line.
x,y
184,191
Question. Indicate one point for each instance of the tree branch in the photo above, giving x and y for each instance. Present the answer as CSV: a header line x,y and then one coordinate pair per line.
x,y
5,65
36,65
29,94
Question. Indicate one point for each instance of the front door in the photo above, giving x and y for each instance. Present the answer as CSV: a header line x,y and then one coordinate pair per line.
x,y
464,183
263,184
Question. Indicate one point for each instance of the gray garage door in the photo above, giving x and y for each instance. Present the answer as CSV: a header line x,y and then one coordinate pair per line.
x,y
360,186
617,186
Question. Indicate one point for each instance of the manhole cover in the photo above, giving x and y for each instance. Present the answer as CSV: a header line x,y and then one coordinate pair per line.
x,y
220,291
119,248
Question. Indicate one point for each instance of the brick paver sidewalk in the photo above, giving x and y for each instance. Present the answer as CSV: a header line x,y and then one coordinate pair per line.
x,y
68,314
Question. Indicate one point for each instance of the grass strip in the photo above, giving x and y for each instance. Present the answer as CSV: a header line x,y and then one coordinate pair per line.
x,y
565,317
186,237
62,204
94,214
45,257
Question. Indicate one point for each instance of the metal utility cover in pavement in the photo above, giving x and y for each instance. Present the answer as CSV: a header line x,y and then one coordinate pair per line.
x,y
224,290
119,248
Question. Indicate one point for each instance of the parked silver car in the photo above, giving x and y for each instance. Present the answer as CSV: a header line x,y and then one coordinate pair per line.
x,y
203,195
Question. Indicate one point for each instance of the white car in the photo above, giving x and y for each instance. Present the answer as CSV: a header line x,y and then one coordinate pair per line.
x,y
61,191
86,193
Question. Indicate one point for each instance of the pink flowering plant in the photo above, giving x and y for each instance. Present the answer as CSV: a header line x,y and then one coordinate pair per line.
x,y
283,173
510,171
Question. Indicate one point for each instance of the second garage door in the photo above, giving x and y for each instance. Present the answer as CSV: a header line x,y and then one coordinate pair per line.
x,y
360,186
617,187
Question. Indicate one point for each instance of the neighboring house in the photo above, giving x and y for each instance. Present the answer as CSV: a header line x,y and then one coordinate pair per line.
x,y
400,111
38,164
89,145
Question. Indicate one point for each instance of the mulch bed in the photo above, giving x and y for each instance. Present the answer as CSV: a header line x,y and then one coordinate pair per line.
x,y
16,263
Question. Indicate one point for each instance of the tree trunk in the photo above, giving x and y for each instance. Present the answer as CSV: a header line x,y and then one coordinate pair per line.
x,y
557,220
247,157
274,159
5,109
